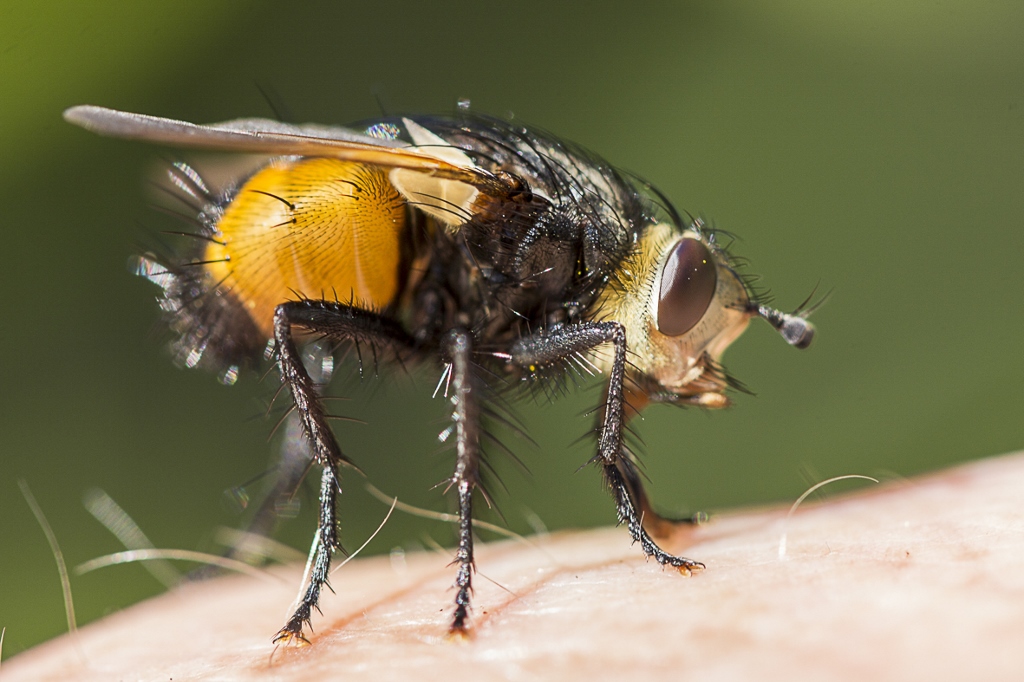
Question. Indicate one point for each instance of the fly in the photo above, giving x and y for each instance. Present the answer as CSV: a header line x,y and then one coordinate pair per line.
x,y
495,253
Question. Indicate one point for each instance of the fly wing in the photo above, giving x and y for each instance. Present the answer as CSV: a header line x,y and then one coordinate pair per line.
x,y
260,136
432,175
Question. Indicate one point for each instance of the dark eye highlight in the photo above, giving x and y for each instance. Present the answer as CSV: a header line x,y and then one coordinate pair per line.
x,y
687,286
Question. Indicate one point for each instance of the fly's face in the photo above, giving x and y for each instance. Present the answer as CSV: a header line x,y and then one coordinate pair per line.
x,y
696,308
682,304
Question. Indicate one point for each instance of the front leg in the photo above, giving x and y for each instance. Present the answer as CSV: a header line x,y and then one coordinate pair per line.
x,y
549,349
337,322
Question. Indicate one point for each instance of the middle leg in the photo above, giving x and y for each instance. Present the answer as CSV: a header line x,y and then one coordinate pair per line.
x,y
466,413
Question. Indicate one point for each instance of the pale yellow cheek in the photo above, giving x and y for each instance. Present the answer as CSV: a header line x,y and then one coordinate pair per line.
x,y
312,228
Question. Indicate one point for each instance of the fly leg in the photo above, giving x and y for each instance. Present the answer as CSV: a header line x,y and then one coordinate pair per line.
x,y
553,347
293,465
337,322
658,526
465,399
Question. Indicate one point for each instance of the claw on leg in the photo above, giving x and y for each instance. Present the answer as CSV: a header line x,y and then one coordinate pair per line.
x,y
288,637
686,566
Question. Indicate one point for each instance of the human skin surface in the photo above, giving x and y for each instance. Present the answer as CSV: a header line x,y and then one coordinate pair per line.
x,y
915,579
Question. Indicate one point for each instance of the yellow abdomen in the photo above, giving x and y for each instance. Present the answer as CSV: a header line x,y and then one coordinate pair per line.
x,y
310,228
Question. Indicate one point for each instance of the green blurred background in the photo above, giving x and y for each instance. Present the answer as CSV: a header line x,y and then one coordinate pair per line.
x,y
875,147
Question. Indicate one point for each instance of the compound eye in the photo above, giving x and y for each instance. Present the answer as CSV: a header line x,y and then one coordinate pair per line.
x,y
687,286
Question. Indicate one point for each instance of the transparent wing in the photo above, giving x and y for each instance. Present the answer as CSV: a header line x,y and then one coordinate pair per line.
x,y
262,136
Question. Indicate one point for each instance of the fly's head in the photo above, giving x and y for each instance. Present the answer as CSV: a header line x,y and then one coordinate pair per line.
x,y
682,303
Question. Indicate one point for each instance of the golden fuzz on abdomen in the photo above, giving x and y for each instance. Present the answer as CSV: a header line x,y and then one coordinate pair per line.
x,y
318,228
